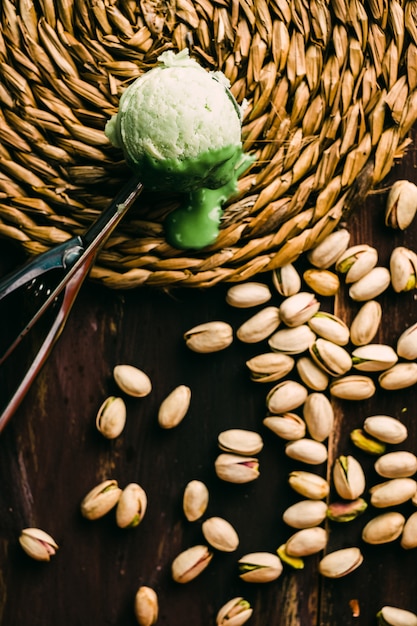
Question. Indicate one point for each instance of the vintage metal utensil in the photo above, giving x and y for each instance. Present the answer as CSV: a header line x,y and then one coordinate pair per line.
x,y
43,292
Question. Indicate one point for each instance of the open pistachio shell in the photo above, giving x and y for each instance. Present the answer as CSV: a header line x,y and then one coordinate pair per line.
x,y
309,485
286,280
292,340
393,492
329,249
340,562
365,324
259,567
38,544
235,612
133,381
220,534
146,606
305,514
195,500
371,285
348,477
307,451
288,426
131,506
385,428
286,396
299,308
311,374
240,441
319,416
396,464
307,541
190,563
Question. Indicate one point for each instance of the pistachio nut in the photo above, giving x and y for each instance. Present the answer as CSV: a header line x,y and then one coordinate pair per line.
x,y
195,500
307,541
399,376
403,267
305,514
323,282
330,327
234,613
311,374
366,322
288,426
401,205
348,477
340,562
286,280
356,262
295,562
365,442
333,359
409,534
393,616
146,606
346,511
318,415
209,337
374,357
174,407
269,367
397,464
392,492
306,451
259,567
407,343
190,563
38,544
329,249
131,506
286,396
240,441
353,387
260,326
310,485
383,528
234,468
220,534
111,417
298,309
292,340
245,295
101,499
371,285
133,381
385,428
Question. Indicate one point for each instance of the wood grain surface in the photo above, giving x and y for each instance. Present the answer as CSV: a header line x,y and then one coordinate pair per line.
x,y
51,455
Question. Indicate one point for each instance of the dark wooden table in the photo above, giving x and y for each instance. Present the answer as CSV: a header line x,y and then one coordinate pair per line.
x,y
51,455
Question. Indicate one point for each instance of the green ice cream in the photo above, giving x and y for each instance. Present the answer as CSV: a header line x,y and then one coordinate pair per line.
x,y
180,128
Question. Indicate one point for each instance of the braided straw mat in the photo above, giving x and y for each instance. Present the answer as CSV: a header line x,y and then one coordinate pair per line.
x,y
331,93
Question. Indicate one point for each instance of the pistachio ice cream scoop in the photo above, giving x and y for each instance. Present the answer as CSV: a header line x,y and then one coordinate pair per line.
x,y
180,128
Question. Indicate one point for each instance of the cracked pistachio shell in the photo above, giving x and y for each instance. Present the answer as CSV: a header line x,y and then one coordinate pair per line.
x,y
323,282
190,563
401,205
365,442
392,492
133,381
318,415
305,514
311,374
37,544
234,613
306,451
286,396
333,359
295,562
146,606
195,500
174,407
298,309
348,477
407,343
234,468
209,337
403,268
259,567
131,506
374,357
346,511
288,426
397,464
111,417
340,562
385,428
353,387
246,295
307,541
371,285
292,340
399,376
365,324
260,326
101,499
286,280
240,441
409,534
356,262
269,367
329,249
220,534
310,485
330,327
383,528
393,616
